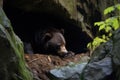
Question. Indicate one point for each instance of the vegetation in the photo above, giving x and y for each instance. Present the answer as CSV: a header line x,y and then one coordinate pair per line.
x,y
106,27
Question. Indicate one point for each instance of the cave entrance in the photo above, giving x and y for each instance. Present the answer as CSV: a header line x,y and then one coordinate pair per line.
x,y
25,23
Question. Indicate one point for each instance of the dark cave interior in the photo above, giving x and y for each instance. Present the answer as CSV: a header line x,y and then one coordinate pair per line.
x,y
26,23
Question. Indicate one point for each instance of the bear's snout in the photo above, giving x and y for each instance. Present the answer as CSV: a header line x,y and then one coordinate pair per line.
x,y
62,50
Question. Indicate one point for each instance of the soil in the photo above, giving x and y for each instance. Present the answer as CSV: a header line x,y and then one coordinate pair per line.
x,y
41,64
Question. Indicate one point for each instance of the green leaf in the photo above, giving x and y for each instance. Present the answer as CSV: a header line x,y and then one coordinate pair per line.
x,y
98,23
104,37
110,34
89,45
102,27
95,43
115,23
99,40
117,6
109,20
109,10
108,28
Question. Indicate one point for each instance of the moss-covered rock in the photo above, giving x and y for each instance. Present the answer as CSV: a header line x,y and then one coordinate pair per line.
x,y
12,63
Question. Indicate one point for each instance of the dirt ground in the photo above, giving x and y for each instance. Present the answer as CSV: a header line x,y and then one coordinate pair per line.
x,y
40,64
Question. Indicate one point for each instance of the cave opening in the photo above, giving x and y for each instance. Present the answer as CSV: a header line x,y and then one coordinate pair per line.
x,y
26,23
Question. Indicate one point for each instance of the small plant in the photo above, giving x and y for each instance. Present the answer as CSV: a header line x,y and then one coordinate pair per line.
x,y
106,27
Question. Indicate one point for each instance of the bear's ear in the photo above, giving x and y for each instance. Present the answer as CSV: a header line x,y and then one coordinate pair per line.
x,y
47,37
62,31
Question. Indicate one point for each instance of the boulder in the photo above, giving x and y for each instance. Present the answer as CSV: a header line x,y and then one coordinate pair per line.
x,y
105,61
12,63
72,71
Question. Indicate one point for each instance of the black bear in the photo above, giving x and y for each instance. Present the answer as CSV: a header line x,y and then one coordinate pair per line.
x,y
50,40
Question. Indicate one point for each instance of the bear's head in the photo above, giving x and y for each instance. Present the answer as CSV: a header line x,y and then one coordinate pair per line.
x,y
51,40
54,41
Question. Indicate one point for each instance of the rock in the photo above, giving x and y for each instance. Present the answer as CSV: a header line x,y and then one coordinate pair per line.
x,y
115,54
71,72
64,8
1,3
98,70
105,61
12,63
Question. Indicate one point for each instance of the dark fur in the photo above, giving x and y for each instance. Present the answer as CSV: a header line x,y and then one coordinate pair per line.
x,y
41,39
